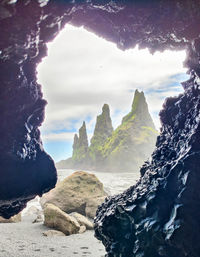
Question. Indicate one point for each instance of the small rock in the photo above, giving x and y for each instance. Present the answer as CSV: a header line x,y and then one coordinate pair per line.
x,y
82,220
13,219
38,219
53,233
54,217
82,229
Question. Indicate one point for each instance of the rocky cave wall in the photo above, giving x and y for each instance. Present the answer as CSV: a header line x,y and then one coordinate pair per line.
x,y
158,216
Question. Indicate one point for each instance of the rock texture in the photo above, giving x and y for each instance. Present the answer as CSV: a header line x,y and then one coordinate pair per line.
x,y
81,192
52,232
82,220
55,218
82,229
26,170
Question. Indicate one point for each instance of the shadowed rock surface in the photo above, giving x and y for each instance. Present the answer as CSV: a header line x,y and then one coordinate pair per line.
x,y
26,170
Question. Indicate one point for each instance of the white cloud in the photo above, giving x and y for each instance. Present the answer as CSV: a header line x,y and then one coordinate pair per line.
x,y
67,136
64,136
83,71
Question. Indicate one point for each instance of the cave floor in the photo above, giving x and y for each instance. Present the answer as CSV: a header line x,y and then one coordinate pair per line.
x,y
25,239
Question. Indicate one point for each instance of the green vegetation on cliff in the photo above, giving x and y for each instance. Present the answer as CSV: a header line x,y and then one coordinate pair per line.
x,y
123,149
103,130
133,141
80,145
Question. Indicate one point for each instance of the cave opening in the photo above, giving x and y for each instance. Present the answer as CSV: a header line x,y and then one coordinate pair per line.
x,y
155,217
83,71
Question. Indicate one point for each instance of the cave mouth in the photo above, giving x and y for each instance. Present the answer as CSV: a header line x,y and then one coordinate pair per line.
x,y
27,170
83,71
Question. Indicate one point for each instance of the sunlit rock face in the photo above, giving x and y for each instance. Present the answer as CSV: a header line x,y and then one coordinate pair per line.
x,y
158,216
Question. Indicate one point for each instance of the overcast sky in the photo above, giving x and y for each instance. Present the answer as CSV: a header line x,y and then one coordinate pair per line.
x,y
83,71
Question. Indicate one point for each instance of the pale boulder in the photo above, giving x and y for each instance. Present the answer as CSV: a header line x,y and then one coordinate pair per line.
x,y
82,220
82,229
52,232
55,218
92,205
81,192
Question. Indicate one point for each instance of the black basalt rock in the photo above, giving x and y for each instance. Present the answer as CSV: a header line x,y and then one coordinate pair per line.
x,y
159,215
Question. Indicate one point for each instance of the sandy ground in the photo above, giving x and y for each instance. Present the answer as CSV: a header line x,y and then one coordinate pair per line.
x,y
25,239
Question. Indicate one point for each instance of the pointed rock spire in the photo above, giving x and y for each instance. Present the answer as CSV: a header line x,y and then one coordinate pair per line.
x,y
134,140
80,145
75,144
83,139
103,128
140,110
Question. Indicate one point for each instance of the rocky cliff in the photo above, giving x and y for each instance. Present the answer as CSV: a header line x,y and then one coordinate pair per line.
x,y
124,149
133,141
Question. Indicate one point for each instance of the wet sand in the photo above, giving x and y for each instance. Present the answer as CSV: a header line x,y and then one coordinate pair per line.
x,y
25,239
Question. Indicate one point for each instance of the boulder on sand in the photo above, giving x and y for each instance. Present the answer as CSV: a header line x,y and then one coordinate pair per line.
x,y
82,229
82,220
38,219
53,232
59,220
91,206
76,193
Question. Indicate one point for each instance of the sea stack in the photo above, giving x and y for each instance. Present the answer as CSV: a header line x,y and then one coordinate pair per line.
x,y
103,130
124,149
133,141
80,147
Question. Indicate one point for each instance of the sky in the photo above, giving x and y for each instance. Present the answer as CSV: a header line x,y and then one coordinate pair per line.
x,y
83,71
